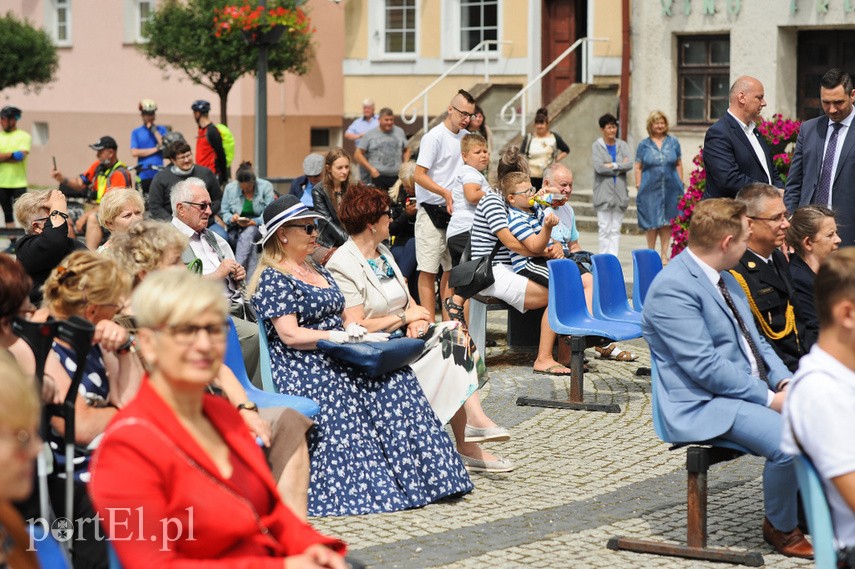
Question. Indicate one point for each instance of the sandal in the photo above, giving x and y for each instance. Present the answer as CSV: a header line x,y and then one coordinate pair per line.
x,y
612,352
455,311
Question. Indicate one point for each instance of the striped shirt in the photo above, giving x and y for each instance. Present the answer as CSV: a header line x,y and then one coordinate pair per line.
x,y
491,216
523,224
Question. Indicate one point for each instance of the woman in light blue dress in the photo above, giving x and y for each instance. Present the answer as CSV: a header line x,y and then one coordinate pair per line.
x,y
659,175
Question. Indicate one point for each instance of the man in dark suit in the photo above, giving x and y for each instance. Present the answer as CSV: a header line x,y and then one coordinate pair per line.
x,y
823,167
718,377
764,276
734,152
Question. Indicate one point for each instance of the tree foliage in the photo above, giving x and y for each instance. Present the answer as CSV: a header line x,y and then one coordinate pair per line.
x,y
181,35
27,55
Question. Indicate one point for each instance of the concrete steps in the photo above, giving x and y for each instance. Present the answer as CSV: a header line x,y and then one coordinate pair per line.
x,y
586,216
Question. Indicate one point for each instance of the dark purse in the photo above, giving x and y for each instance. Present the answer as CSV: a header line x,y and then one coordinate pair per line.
x,y
375,358
471,277
438,215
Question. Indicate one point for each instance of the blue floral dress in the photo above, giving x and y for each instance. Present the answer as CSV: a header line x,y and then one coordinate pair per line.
x,y
377,445
661,189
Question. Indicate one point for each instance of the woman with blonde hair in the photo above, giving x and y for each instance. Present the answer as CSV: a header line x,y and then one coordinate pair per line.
x,y
95,288
328,194
377,445
19,446
178,453
120,208
659,177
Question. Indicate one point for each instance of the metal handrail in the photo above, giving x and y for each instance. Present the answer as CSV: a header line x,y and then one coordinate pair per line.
x,y
410,119
585,78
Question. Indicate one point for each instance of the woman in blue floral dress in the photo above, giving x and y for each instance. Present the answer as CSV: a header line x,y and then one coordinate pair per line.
x,y
659,176
377,445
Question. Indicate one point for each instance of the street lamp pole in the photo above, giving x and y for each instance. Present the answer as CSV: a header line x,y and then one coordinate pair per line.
x,y
261,107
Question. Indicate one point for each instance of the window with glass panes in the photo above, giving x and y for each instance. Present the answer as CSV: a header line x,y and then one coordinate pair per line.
x,y
479,21
400,26
145,9
703,74
62,20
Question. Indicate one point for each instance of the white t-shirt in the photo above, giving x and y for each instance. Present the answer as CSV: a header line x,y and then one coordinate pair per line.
x,y
439,153
464,210
821,409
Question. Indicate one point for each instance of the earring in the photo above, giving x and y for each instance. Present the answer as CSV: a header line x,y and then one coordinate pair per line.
x,y
284,239
373,230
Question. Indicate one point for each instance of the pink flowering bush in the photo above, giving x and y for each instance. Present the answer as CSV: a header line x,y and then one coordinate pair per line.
x,y
779,133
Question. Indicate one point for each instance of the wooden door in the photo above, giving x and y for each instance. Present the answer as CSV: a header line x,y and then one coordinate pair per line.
x,y
820,51
563,23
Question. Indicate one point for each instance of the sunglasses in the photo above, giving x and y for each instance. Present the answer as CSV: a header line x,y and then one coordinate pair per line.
x,y
309,228
201,205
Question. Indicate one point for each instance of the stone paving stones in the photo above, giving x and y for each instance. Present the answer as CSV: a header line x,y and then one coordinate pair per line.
x,y
583,477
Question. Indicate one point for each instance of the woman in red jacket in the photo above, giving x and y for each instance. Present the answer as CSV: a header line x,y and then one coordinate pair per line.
x,y
178,479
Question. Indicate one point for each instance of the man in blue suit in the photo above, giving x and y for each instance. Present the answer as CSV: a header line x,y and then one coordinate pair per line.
x,y
718,376
734,152
823,167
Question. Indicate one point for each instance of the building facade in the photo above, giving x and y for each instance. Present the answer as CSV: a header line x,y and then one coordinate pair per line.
x,y
102,76
687,53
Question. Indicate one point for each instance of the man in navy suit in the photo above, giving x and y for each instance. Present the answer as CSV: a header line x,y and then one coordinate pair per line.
x,y
734,152
718,378
823,167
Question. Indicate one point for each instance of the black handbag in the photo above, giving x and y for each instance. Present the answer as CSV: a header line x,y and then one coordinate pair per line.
x,y
375,358
438,215
471,277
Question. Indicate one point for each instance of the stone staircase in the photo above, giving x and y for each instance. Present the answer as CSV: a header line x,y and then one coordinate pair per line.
x,y
586,217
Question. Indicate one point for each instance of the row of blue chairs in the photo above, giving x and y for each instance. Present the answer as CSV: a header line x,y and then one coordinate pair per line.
x,y
613,319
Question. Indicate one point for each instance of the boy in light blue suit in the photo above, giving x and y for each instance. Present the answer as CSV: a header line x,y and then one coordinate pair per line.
x,y
718,376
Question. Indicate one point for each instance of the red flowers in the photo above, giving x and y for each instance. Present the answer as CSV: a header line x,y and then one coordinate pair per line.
x,y
249,19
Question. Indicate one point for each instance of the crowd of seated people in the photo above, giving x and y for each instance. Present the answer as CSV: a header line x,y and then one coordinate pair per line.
x,y
158,408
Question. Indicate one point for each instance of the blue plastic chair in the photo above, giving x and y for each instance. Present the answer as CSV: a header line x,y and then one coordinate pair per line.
x,y
234,359
818,513
48,550
610,302
568,316
698,461
646,264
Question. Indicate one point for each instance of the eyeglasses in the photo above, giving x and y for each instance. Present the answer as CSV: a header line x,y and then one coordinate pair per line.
x,y
527,192
188,333
464,115
309,228
41,219
201,205
778,219
389,213
24,439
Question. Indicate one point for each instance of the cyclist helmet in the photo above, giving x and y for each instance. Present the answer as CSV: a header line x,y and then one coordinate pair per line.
x,y
10,112
148,106
201,106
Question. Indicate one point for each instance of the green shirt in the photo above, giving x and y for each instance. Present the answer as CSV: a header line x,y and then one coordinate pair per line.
x,y
14,174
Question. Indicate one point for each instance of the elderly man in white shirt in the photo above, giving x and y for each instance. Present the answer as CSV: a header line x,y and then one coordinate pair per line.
x,y
191,209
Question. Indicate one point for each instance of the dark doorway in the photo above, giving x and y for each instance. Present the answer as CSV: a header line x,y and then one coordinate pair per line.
x,y
564,21
820,51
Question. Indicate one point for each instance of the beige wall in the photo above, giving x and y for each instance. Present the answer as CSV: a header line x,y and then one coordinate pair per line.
x,y
762,44
101,79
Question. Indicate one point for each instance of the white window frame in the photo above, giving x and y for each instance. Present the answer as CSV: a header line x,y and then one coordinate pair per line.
x,y
377,34
451,44
133,19
52,8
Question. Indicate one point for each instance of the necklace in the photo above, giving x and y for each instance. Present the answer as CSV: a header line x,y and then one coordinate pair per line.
x,y
303,271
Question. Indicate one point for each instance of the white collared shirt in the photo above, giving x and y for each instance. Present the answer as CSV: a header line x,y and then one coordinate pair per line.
x,y
714,276
841,136
205,253
748,129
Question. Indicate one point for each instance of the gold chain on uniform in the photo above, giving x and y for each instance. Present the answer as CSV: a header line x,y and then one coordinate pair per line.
x,y
790,324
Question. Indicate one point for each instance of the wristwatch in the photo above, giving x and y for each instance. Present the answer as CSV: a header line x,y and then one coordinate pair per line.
x,y
59,213
248,405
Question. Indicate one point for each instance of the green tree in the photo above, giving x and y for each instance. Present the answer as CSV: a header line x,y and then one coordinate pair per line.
x,y
27,55
181,35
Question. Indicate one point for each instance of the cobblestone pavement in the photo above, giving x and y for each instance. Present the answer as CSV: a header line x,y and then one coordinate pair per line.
x,y
582,478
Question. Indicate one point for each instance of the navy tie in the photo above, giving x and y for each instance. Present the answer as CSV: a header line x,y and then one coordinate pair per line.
x,y
823,189
761,365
